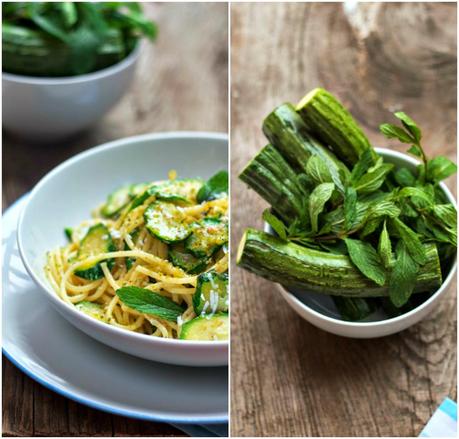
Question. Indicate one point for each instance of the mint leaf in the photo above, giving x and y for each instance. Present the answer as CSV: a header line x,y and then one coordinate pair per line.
x,y
440,168
395,132
403,277
374,178
148,302
317,170
410,125
415,150
215,187
404,177
446,213
350,207
364,163
411,240
367,260
319,196
385,247
276,224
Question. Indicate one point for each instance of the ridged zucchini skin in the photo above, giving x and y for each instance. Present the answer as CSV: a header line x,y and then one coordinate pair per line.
x,y
330,122
273,179
287,132
314,271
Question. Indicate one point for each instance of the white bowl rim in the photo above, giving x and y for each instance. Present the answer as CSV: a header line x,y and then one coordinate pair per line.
x,y
387,322
77,79
47,288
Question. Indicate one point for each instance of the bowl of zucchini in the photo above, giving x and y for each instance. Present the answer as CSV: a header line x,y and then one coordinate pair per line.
x,y
66,64
193,332
361,241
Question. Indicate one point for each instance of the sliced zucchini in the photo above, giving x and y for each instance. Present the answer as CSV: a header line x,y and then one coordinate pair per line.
x,y
208,236
214,327
166,222
96,241
91,309
177,190
186,261
116,201
211,294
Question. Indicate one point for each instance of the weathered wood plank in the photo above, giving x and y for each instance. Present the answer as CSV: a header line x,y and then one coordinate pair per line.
x,y
289,378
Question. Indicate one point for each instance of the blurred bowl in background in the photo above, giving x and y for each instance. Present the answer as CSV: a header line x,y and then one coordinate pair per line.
x,y
50,109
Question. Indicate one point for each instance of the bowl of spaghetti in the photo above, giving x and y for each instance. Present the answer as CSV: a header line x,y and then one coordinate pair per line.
x,y
128,241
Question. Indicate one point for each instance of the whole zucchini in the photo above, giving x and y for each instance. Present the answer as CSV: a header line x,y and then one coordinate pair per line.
x,y
274,180
330,122
286,130
315,271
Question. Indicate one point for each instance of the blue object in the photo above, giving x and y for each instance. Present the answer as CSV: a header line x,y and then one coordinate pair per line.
x,y
443,423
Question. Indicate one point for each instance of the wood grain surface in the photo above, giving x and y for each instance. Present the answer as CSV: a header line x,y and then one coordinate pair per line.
x,y
289,378
181,84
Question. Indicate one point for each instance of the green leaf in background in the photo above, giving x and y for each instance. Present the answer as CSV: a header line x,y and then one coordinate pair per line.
x,y
319,196
411,240
446,213
215,187
364,163
317,170
148,302
410,125
415,150
385,247
69,13
276,224
367,260
404,177
440,168
350,207
403,276
395,132
70,38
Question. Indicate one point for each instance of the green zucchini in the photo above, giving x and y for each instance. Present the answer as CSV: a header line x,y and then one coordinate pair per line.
x,y
166,222
116,201
213,328
288,133
208,236
184,190
91,309
274,180
328,120
211,294
315,271
185,260
96,241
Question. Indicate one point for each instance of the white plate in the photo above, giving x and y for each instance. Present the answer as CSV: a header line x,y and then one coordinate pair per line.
x,y
51,351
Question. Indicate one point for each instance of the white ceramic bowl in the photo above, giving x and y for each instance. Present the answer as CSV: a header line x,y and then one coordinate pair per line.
x,y
66,196
320,310
49,109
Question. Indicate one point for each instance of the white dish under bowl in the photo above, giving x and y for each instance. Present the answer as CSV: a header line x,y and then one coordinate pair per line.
x,y
66,196
49,109
319,309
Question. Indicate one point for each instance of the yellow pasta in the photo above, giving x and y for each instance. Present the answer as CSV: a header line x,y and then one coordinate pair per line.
x,y
139,257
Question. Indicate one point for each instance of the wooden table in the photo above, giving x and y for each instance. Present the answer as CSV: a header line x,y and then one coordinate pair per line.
x,y
181,84
288,377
